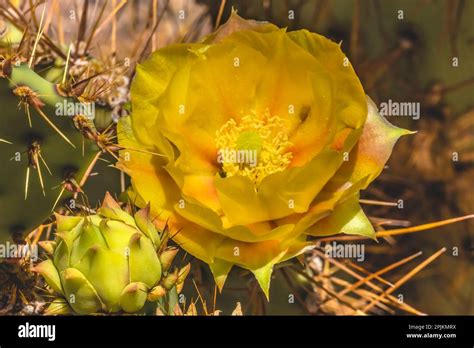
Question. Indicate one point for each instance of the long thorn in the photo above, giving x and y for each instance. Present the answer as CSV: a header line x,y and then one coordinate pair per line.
x,y
362,270
110,16
374,202
406,277
28,115
53,126
27,181
45,164
38,37
398,231
204,307
40,176
422,227
219,15
378,273
94,27
57,199
67,64
122,181
325,289
359,277
88,171
154,17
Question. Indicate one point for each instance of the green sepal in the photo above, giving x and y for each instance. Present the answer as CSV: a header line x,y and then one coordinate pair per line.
x,y
48,246
143,221
143,261
107,271
264,276
80,294
58,306
111,209
117,234
133,297
50,274
89,237
166,258
220,269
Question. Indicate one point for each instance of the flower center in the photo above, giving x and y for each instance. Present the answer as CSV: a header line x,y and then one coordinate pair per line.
x,y
254,147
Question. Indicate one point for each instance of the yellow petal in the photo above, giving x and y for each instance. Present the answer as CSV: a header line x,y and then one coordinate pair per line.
x,y
257,232
350,97
193,238
372,151
322,206
150,180
151,80
280,194
196,187
235,23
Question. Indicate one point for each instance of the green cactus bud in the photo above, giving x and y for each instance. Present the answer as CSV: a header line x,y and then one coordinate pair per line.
x,y
48,246
167,257
170,281
143,221
156,293
183,273
133,297
107,262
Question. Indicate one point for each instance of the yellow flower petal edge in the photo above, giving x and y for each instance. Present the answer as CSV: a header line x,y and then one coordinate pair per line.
x,y
252,142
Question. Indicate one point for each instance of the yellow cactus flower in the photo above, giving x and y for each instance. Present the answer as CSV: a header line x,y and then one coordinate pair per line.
x,y
264,139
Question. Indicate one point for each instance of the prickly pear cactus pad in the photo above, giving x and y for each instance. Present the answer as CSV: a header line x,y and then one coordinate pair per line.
x,y
290,99
27,152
